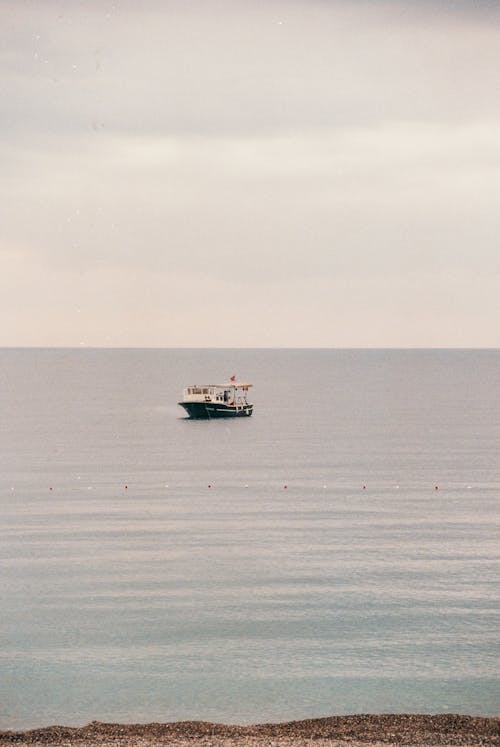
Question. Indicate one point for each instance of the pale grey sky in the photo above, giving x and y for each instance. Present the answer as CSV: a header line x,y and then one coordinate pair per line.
x,y
250,173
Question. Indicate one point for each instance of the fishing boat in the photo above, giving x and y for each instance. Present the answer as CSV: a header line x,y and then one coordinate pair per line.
x,y
207,401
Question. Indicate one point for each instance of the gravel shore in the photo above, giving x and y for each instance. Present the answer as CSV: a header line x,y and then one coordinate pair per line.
x,y
336,731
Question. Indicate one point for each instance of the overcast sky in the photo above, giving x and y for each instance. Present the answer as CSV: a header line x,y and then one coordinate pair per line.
x,y
250,173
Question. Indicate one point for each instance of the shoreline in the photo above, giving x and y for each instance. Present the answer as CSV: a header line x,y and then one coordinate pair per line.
x,y
362,729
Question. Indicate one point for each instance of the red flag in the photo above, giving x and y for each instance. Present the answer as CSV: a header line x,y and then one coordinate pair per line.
x,y
233,377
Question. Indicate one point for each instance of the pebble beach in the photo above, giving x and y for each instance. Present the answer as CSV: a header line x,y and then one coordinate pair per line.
x,y
336,731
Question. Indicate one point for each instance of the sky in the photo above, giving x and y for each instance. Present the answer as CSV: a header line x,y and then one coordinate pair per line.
x,y
250,173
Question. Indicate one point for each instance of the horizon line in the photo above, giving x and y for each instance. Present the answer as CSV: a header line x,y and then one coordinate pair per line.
x,y
250,347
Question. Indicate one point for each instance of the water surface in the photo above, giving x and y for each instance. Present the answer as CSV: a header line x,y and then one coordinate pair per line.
x,y
132,591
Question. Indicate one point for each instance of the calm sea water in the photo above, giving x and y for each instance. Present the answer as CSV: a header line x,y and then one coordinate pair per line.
x,y
132,591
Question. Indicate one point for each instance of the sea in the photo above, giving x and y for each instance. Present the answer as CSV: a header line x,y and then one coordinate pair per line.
x,y
336,553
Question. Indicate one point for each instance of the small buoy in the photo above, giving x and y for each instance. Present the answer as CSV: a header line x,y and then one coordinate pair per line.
x,y
436,487
209,486
126,487
50,487
364,487
285,487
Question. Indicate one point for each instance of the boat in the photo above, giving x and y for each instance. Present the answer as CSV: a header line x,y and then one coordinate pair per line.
x,y
207,401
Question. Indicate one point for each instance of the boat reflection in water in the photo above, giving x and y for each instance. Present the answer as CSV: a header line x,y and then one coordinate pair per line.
x,y
207,401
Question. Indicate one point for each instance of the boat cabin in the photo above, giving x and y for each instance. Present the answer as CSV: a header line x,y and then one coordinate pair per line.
x,y
228,393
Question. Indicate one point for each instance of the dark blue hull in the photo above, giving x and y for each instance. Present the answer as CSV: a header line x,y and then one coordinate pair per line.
x,y
210,410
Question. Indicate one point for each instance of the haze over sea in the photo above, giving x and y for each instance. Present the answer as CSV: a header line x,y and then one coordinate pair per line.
x,y
132,591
